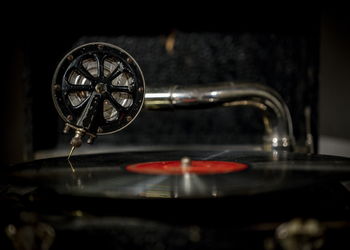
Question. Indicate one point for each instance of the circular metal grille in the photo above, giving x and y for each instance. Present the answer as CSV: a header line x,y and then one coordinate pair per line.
x,y
98,87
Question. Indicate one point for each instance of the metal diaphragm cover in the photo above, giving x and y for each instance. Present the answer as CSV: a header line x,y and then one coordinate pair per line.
x,y
98,89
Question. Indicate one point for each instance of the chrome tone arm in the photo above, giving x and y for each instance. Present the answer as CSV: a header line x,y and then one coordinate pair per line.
x,y
277,119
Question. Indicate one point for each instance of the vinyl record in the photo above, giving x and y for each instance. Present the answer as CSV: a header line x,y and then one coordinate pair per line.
x,y
209,174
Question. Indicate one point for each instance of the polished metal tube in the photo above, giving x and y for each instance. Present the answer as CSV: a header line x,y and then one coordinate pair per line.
x,y
276,116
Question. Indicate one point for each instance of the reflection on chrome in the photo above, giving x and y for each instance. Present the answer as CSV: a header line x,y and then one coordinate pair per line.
x,y
277,119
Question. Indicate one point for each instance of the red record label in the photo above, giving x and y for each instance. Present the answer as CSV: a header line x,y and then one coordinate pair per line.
x,y
195,167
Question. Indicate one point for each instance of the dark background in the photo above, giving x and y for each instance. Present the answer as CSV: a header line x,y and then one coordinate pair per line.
x,y
34,44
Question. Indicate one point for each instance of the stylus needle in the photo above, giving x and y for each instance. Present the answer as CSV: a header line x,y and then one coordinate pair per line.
x,y
71,152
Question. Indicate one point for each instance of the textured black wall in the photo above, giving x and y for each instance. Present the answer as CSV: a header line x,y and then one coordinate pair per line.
x,y
36,41
286,62
335,74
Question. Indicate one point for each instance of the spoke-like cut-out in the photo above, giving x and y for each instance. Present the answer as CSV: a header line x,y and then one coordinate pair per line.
x,y
124,79
91,65
109,112
77,79
77,97
110,66
124,99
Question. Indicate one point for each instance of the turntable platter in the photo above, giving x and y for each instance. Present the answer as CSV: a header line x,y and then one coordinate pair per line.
x,y
114,175
104,200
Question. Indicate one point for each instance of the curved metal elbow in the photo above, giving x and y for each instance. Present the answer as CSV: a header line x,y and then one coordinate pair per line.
x,y
276,116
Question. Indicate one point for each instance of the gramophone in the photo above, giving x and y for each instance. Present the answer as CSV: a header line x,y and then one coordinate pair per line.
x,y
278,193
